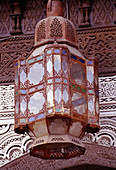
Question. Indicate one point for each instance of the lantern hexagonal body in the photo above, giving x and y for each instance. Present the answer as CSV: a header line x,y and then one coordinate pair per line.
x,y
56,92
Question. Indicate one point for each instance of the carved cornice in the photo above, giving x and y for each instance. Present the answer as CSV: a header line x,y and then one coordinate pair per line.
x,y
10,49
17,38
96,29
99,42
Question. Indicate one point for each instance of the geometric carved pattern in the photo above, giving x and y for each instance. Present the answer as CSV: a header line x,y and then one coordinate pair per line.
x,y
12,145
11,49
5,19
56,28
65,8
33,13
101,44
41,31
73,12
70,32
102,12
107,91
6,101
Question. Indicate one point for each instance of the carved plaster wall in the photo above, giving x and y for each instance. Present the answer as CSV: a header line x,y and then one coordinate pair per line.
x,y
96,42
12,145
100,147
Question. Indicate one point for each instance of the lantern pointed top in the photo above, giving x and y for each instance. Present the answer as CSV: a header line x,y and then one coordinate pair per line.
x,y
55,8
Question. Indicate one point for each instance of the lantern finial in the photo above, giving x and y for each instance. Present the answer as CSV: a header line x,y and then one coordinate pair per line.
x,y
55,8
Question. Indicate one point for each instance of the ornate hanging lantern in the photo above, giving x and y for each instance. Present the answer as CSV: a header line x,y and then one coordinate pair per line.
x,y
56,90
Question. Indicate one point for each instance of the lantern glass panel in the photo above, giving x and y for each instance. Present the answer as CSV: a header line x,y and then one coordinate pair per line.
x,y
50,95
90,74
64,52
97,105
58,94
56,50
96,74
80,109
91,107
22,75
36,73
50,111
40,86
23,62
49,51
31,89
65,95
76,96
49,81
36,102
23,105
40,116
58,126
16,79
31,119
79,103
76,129
17,105
39,128
64,66
96,80
65,81
16,64
49,67
57,63
78,73
57,80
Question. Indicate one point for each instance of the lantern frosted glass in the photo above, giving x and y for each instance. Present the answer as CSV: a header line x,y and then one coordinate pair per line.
x,y
93,95
56,92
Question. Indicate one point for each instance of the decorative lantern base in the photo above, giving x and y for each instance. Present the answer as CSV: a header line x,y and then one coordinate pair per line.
x,y
57,147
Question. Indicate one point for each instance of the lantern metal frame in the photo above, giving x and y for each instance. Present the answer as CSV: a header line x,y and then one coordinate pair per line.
x,y
56,92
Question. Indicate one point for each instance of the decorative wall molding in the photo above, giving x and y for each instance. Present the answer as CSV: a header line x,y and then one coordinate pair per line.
x,y
5,19
107,91
10,49
102,12
6,99
32,14
97,42
12,145
102,29
101,44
